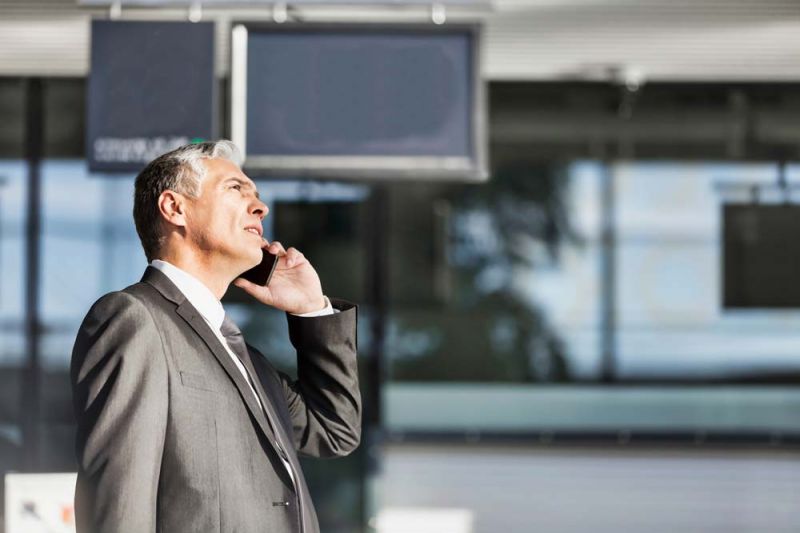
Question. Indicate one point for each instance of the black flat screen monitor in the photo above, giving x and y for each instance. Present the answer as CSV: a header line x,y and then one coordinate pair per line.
x,y
151,89
761,257
359,101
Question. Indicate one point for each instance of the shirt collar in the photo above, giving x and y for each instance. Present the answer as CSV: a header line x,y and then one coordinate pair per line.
x,y
195,291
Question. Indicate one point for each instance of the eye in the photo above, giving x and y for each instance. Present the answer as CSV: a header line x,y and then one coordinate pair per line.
x,y
237,187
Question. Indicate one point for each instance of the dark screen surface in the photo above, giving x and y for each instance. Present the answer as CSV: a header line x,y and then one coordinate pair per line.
x,y
359,93
151,89
761,264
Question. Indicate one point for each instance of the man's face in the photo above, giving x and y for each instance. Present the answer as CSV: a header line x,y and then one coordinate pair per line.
x,y
224,222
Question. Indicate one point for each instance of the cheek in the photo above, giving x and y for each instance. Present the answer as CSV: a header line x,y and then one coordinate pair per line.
x,y
219,228
201,224
213,224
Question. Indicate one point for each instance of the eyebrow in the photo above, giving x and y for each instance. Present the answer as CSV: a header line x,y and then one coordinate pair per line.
x,y
244,183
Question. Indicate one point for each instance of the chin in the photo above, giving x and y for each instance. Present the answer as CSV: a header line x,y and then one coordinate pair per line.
x,y
254,258
245,259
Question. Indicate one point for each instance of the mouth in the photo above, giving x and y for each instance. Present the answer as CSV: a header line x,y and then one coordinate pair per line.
x,y
255,230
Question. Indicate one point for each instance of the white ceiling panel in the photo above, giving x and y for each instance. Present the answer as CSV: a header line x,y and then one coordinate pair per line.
x,y
659,40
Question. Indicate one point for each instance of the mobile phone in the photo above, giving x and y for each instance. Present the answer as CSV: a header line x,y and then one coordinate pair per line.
x,y
262,272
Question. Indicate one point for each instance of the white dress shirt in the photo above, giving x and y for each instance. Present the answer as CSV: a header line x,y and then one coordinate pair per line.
x,y
213,313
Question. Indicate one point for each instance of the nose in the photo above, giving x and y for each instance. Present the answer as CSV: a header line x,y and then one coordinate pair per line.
x,y
259,208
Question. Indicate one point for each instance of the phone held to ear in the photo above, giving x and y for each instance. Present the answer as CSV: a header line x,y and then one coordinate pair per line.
x,y
262,272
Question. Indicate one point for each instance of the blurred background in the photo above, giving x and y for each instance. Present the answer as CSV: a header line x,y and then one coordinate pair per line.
x,y
571,227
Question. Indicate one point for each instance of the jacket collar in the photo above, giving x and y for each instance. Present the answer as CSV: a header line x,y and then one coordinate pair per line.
x,y
195,291
160,281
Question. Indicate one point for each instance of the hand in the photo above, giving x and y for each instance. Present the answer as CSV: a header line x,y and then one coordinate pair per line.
x,y
294,287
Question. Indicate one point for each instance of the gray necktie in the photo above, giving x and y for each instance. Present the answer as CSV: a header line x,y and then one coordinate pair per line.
x,y
233,335
235,339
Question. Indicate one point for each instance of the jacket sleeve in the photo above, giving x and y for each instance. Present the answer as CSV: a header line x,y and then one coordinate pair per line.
x,y
119,388
325,402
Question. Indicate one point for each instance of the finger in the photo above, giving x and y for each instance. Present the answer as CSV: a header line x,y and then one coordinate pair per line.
x,y
293,257
276,248
267,247
244,284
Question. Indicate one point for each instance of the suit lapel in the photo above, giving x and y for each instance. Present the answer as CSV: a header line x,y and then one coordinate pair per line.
x,y
268,401
189,313
199,325
269,397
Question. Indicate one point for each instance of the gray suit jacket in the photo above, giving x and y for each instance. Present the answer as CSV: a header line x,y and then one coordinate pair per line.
x,y
170,438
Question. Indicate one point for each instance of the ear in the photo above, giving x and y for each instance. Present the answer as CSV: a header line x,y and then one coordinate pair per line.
x,y
172,206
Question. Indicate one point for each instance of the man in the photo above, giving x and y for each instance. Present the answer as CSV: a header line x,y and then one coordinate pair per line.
x,y
181,426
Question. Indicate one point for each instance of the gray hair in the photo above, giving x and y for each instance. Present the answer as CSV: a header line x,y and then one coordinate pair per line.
x,y
182,170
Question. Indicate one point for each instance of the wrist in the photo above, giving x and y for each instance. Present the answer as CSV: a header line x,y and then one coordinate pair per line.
x,y
317,305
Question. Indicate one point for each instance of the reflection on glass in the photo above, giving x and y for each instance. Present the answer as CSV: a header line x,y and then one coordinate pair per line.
x,y
671,321
468,264
13,191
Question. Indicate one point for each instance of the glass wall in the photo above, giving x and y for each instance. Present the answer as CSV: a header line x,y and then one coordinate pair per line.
x,y
497,282
13,192
672,324
516,315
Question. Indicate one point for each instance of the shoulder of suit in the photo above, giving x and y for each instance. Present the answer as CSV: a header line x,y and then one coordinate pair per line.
x,y
118,300
132,297
145,292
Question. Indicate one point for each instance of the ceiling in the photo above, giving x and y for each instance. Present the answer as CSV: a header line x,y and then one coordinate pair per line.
x,y
645,40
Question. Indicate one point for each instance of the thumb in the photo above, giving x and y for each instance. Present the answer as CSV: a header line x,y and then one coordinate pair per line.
x,y
247,286
262,294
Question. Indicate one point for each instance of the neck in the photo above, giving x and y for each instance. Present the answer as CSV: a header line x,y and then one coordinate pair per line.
x,y
214,274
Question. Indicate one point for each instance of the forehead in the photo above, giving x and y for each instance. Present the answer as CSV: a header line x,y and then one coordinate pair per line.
x,y
218,170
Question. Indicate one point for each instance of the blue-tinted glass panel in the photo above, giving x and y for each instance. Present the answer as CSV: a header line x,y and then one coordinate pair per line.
x,y
497,282
89,247
671,321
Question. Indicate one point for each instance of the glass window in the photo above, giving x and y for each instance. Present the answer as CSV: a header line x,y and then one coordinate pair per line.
x,y
497,282
89,247
13,191
671,323
510,339
12,109
13,200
